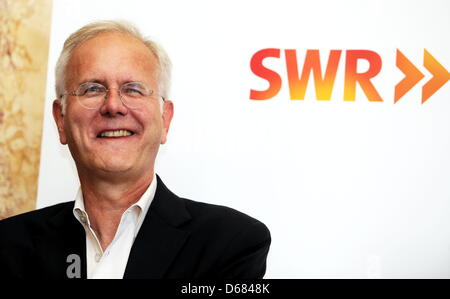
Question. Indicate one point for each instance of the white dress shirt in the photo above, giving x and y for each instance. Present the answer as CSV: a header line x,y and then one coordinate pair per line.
x,y
112,262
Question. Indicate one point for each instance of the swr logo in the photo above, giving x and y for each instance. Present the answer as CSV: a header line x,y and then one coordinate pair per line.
x,y
324,84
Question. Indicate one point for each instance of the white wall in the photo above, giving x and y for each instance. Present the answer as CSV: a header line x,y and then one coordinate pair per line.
x,y
348,189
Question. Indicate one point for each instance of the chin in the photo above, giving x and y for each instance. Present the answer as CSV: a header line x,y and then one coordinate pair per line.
x,y
116,169
116,165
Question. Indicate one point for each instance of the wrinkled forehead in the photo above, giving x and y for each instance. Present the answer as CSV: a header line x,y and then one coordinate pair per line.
x,y
112,57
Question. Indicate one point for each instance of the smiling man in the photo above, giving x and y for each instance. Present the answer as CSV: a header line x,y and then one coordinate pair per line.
x,y
113,111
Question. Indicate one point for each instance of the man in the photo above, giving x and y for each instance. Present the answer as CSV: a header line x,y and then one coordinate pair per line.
x,y
113,112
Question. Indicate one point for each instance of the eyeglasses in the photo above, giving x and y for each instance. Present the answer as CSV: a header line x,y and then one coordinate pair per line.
x,y
91,95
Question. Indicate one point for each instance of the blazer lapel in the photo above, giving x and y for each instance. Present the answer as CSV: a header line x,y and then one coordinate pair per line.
x,y
159,238
65,237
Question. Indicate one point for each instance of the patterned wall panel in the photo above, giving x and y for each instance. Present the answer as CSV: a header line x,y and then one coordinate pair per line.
x,y
24,42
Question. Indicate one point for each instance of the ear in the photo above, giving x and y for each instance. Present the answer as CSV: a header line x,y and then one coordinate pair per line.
x,y
167,118
59,120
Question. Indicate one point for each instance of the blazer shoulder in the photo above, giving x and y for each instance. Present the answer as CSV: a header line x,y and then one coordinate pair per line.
x,y
30,222
224,219
233,245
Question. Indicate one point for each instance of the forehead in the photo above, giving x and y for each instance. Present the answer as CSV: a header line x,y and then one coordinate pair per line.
x,y
112,56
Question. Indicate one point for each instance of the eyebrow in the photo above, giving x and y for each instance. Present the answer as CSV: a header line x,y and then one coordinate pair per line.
x,y
102,82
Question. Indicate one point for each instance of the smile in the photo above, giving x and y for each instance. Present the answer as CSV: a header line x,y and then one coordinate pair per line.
x,y
115,133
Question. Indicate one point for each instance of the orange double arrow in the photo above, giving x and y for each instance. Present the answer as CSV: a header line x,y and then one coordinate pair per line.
x,y
413,76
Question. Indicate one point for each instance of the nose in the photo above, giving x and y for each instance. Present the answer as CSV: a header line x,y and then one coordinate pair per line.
x,y
113,105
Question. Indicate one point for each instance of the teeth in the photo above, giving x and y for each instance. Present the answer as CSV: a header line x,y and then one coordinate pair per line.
x,y
116,133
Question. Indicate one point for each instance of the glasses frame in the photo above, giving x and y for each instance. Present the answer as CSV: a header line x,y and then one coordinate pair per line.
x,y
73,93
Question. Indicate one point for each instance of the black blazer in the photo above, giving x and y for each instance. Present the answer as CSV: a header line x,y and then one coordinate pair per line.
x,y
179,238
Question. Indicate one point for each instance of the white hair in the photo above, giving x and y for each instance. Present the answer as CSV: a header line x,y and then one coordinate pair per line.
x,y
94,29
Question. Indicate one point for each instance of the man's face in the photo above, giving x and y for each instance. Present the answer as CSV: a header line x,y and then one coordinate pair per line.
x,y
113,59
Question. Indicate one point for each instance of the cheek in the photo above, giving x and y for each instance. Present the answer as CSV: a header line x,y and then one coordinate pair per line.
x,y
72,135
76,126
150,119
155,128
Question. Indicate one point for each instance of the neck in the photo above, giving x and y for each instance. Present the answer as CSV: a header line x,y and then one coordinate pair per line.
x,y
106,200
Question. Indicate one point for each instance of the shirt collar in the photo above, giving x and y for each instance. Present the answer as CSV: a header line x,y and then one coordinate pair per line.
x,y
143,204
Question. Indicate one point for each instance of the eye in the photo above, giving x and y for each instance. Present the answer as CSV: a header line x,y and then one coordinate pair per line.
x,y
134,90
94,89
130,90
90,89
